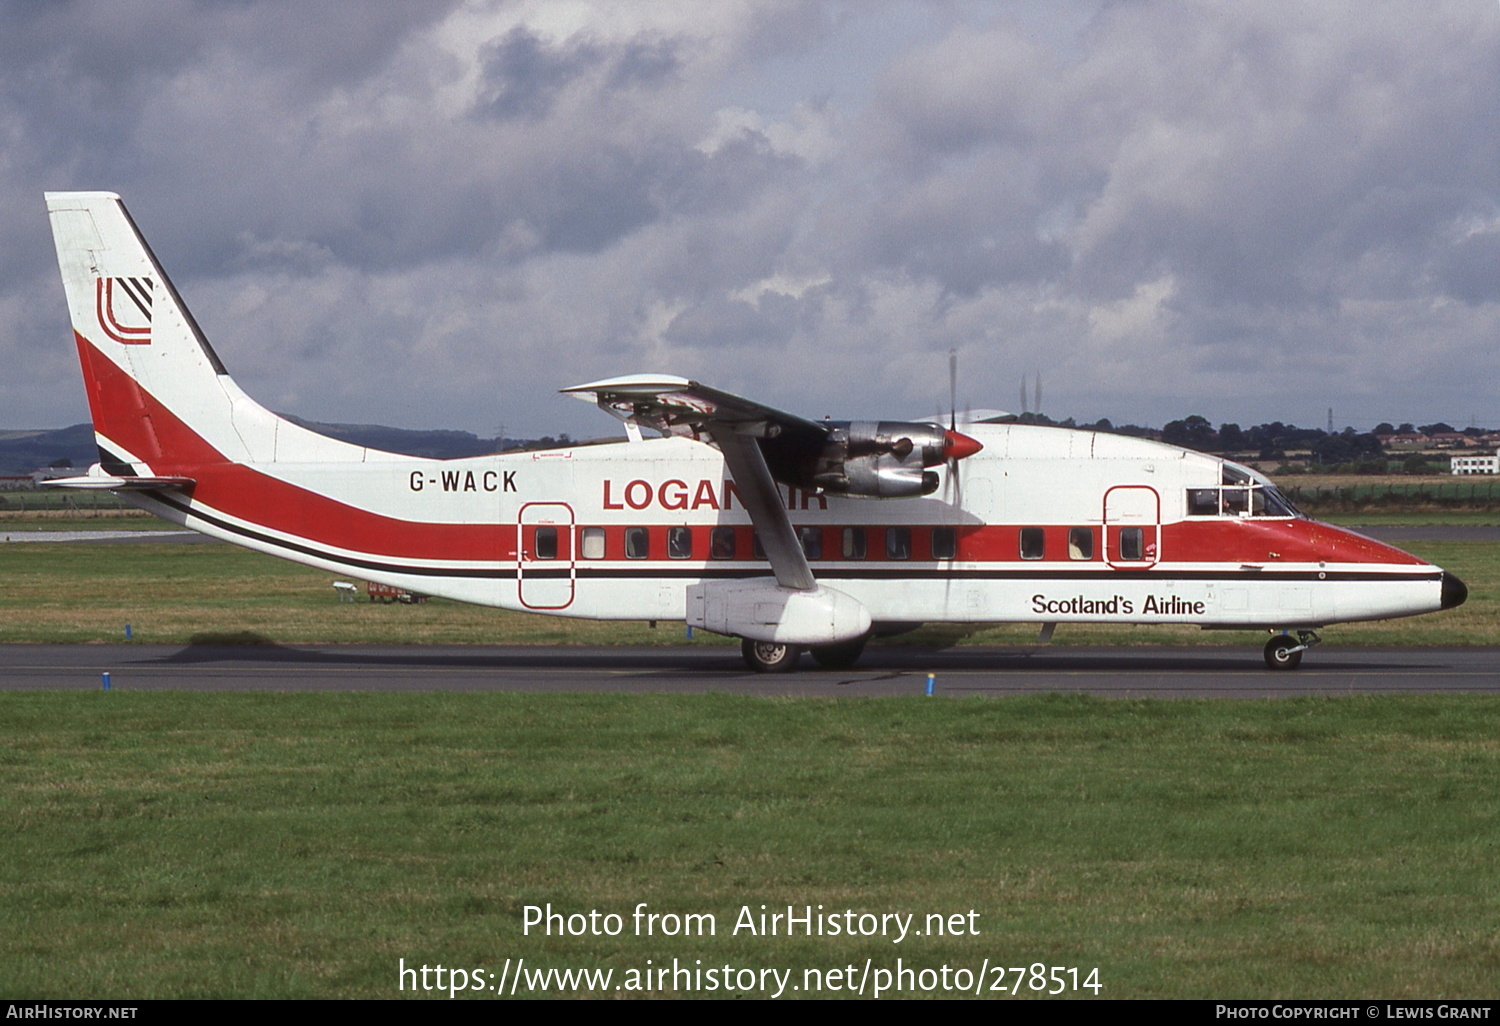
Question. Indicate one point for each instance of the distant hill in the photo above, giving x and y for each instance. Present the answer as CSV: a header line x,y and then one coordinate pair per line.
x,y
435,445
23,451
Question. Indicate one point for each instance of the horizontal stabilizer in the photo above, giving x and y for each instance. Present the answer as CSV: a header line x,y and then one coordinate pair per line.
x,y
97,480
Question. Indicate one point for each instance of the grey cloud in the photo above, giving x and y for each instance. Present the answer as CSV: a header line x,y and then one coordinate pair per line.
x,y
1469,269
730,323
1182,195
525,74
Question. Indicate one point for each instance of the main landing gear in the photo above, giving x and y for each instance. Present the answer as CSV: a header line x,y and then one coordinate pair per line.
x,y
770,656
1283,652
774,657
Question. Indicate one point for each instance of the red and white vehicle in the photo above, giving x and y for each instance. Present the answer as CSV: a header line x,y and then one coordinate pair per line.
x,y
740,519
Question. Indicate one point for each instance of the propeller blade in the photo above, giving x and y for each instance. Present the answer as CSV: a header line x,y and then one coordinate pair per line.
x,y
953,390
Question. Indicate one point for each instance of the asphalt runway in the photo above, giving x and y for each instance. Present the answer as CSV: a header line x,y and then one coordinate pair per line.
x,y
896,670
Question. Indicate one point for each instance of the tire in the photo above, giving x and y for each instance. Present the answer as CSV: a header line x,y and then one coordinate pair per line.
x,y
770,656
1278,656
838,657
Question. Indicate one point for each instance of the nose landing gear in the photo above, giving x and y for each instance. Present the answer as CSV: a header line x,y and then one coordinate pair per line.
x,y
1283,652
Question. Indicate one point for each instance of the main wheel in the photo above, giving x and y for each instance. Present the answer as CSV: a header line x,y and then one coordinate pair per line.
x,y
1279,654
840,656
770,656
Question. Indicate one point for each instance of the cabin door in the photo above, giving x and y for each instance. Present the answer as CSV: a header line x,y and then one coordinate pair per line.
x,y
545,565
1132,526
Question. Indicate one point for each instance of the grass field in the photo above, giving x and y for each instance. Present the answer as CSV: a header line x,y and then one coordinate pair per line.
x,y
199,845
179,593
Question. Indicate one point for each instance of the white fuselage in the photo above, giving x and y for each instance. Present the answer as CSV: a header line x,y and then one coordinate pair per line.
x,y
1040,530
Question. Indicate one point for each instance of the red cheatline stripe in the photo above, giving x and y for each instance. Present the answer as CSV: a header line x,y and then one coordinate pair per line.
x,y
120,407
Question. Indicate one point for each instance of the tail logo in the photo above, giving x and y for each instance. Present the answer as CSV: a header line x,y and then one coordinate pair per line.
x,y
124,306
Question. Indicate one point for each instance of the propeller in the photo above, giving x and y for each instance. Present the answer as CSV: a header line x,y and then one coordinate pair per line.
x,y
955,445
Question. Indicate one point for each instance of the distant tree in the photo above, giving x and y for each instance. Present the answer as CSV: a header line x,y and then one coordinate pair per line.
x,y
1231,438
1331,450
1406,429
1436,429
1416,465
1193,432
1384,428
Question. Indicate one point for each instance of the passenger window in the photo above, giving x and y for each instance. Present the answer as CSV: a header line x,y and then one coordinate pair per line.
x,y
898,543
854,543
812,541
1131,543
1033,543
1203,502
545,545
637,543
721,543
1080,543
679,542
1235,502
592,546
760,551
944,543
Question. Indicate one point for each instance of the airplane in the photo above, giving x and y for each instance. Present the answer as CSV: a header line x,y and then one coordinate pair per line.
x,y
787,533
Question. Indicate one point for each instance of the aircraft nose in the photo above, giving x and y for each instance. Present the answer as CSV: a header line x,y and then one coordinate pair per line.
x,y
1454,591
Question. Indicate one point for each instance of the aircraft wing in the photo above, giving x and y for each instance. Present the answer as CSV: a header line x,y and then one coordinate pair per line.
x,y
669,404
676,405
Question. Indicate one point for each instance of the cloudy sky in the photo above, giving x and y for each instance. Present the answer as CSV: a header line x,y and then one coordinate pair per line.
x,y
435,214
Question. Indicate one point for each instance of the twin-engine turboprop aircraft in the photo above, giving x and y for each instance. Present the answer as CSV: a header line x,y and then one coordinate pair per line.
x,y
741,519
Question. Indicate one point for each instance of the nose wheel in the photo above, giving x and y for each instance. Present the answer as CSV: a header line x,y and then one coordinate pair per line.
x,y
1284,652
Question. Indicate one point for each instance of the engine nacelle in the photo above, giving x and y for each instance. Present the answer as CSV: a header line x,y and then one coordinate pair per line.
x,y
883,459
762,610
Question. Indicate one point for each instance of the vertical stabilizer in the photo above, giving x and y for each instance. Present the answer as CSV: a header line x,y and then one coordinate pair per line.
x,y
158,393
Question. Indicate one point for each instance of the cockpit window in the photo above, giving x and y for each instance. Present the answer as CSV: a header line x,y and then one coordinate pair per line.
x,y
1245,493
1203,502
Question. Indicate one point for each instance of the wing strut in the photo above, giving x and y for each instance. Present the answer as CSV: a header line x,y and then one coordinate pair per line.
x,y
752,480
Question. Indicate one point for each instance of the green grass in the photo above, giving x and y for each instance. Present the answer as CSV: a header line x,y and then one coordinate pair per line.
x,y
297,845
180,593
1415,518
173,593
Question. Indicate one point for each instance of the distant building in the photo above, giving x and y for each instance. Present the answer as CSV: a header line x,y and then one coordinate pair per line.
x,y
1465,465
1407,441
1449,439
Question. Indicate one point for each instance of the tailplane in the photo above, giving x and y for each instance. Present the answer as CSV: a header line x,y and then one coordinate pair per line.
x,y
159,396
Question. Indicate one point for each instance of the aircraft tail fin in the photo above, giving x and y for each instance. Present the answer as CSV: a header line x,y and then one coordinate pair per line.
x,y
159,395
